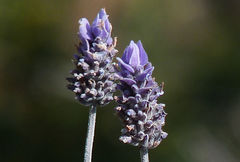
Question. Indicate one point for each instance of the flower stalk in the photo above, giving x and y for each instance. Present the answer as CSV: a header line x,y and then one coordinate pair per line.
x,y
90,134
144,154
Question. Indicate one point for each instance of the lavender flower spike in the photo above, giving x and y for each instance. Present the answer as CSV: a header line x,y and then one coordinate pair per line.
x,y
93,77
138,109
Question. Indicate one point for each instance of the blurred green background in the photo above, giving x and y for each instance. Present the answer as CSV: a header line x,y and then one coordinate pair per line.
x,y
193,44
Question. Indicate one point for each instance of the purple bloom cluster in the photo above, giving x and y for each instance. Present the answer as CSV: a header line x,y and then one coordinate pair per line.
x,y
93,79
137,108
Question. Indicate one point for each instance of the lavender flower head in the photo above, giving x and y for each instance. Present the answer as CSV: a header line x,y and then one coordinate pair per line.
x,y
92,79
138,109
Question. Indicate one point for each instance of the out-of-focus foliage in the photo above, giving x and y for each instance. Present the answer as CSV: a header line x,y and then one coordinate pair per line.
x,y
193,44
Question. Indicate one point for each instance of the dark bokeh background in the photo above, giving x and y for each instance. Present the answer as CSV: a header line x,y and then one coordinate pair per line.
x,y
193,44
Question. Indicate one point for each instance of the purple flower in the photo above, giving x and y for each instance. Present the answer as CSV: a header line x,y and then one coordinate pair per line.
x,y
135,55
85,32
101,27
138,109
93,78
100,30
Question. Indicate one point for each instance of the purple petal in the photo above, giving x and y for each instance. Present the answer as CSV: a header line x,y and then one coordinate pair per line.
x,y
85,45
96,31
143,54
134,56
96,21
150,83
148,65
124,65
128,81
102,13
164,135
109,40
97,24
126,55
84,30
108,26
142,76
144,90
101,27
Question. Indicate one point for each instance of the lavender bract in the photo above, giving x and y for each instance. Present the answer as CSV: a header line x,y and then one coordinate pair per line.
x,y
138,109
92,79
